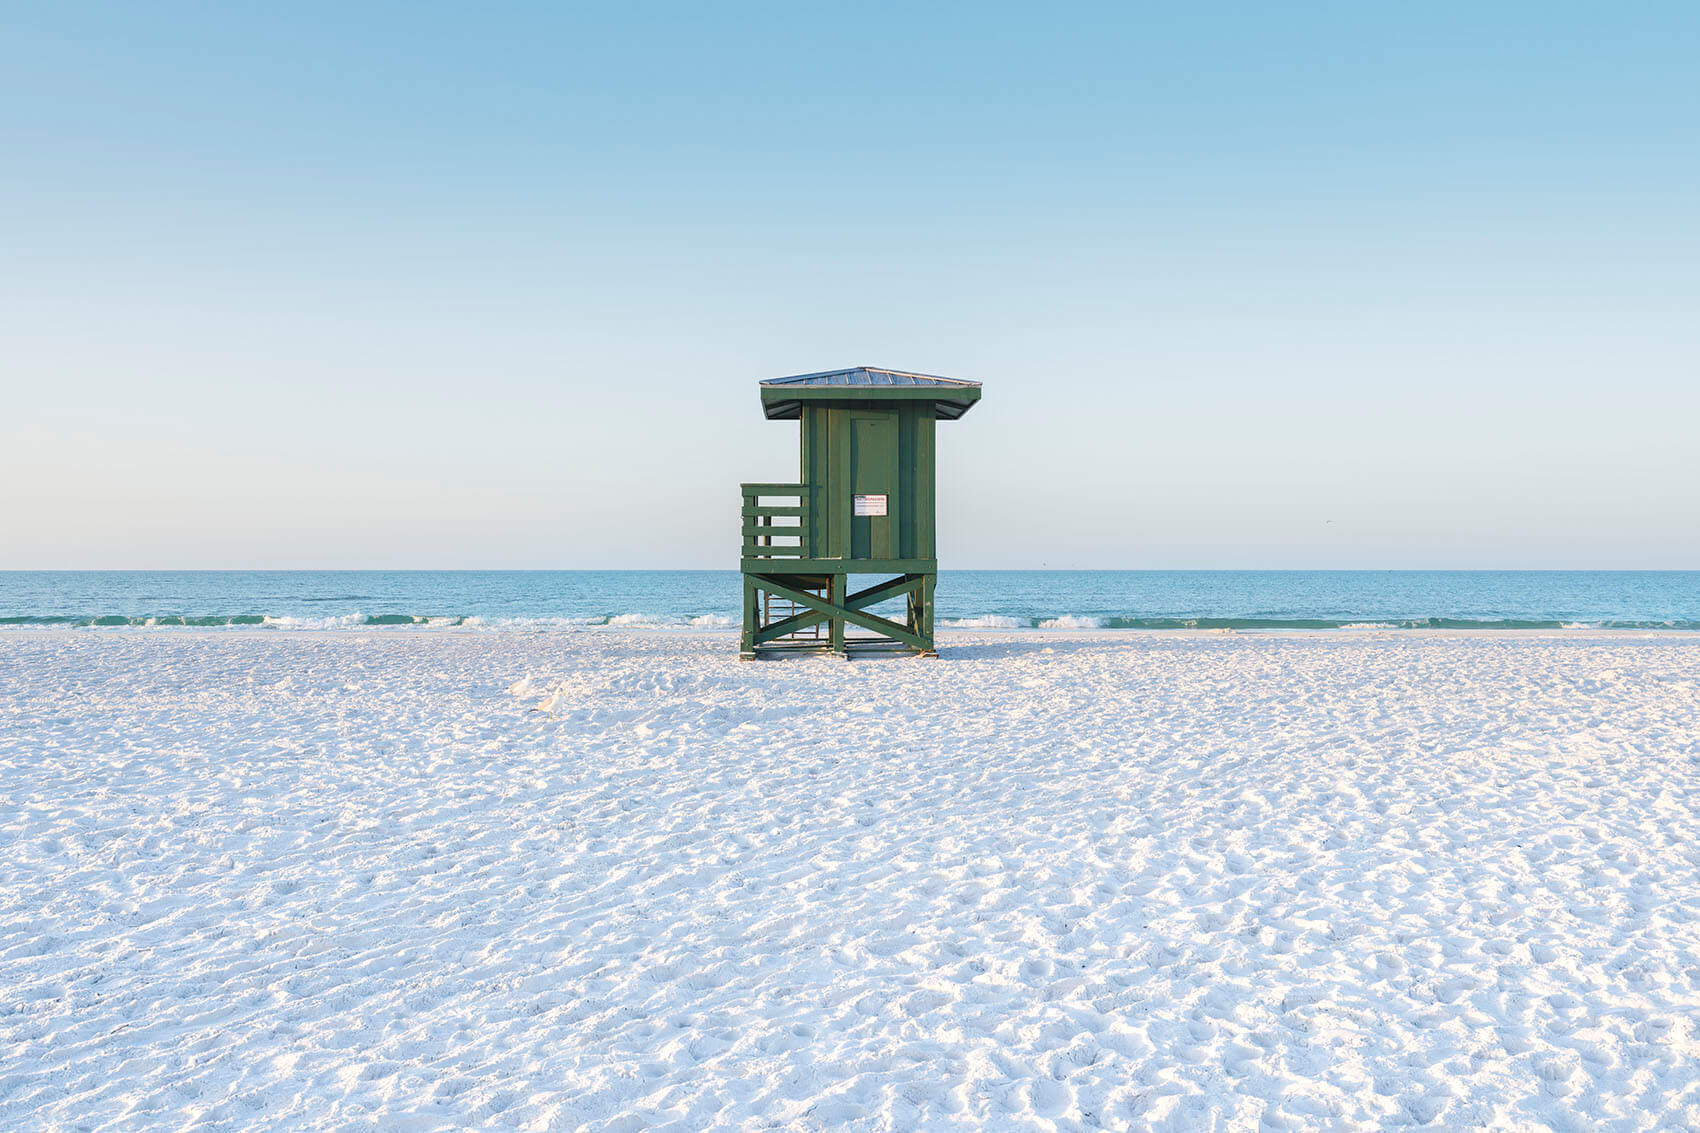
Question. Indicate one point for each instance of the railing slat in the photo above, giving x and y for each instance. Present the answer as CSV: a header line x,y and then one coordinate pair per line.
x,y
774,489
758,530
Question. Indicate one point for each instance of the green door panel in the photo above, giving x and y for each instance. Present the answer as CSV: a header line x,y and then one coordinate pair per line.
x,y
873,474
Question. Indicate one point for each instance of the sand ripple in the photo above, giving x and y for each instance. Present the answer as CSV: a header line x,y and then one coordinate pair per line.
x,y
298,880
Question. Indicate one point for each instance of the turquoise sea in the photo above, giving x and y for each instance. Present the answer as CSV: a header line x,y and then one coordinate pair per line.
x,y
989,599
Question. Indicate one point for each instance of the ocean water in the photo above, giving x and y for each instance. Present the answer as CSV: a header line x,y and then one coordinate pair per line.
x,y
966,599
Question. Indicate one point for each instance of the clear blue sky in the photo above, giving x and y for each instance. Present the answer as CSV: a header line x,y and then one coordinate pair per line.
x,y
440,285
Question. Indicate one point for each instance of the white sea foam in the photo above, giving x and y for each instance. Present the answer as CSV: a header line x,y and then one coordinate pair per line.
x,y
984,621
708,621
1369,625
638,620
338,621
554,623
1072,621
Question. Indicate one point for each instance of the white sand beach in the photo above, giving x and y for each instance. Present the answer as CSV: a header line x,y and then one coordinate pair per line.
x,y
620,880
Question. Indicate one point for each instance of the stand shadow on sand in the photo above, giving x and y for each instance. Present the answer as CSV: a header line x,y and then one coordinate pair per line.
x,y
956,650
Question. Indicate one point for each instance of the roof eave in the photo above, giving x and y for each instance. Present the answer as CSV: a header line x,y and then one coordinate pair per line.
x,y
783,402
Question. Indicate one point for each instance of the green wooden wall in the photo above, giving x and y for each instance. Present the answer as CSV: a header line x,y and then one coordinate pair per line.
x,y
872,448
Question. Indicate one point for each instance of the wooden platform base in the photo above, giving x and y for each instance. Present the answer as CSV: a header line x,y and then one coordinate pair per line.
x,y
817,615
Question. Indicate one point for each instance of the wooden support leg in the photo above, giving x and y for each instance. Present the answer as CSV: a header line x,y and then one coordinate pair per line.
x,y
752,619
836,597
925,629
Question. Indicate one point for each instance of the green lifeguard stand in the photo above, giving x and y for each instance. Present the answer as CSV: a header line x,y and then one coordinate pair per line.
x,y
863,505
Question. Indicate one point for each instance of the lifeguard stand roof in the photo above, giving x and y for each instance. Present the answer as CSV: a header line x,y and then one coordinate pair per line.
x,y
782,398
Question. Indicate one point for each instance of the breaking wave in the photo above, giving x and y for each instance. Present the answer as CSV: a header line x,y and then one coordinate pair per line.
x,y
363,621
1083,621
1053,602
724,621
1072,621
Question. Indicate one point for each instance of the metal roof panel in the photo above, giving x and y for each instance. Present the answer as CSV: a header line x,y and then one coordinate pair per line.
x,y
869,376
782,398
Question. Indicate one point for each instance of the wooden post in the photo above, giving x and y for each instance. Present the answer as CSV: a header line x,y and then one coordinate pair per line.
x,y
836,597
752,619
925,629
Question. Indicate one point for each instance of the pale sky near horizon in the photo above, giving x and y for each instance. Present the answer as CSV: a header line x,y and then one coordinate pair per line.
x,y
1263,286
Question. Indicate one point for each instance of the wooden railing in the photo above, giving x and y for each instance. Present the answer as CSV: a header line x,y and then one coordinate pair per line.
x,y
786,539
